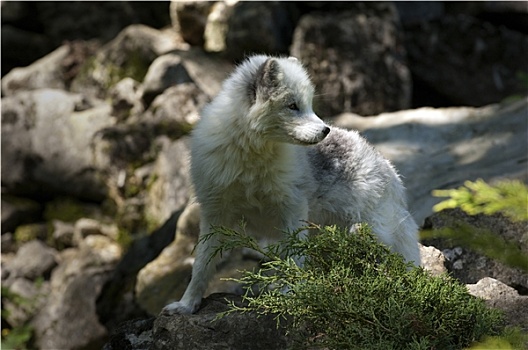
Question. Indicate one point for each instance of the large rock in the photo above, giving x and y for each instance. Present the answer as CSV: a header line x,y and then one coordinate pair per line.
x,y
164,72
53,71
356,59
260,27
237,331
46,72
128,55
202,330
46,144
467,61
168,189
499,295
33,259
189,18
207,71
442,148
128,146
432,260
85,227
180,105
69,319
63,233
215,31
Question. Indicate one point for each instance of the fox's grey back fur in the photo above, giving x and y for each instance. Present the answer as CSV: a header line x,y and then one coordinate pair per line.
x,y
260,153
356,184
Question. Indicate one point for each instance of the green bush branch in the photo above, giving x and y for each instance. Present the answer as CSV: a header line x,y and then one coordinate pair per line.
x,y
507,197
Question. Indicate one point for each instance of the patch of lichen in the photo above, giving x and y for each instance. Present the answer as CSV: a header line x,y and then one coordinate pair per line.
x,y
105,73
69,209
29,232
135,67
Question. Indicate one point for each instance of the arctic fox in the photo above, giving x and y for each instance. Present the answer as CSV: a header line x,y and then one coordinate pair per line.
x,y
260,154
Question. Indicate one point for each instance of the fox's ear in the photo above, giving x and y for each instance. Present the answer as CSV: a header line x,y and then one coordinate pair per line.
x,y
267,80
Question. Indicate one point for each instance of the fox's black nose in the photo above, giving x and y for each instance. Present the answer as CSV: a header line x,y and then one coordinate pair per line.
x,y
326,130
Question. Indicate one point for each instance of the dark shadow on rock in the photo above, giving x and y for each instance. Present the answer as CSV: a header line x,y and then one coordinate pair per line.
x,y
117,302
202,330
133,334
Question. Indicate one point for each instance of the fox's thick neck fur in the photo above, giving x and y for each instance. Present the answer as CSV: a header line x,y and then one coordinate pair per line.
x,y
229,161
230,154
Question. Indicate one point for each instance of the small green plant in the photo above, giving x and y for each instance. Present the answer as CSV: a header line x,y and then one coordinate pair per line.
x,y
353,293
68,209
512,338
507,197
16,338
522,88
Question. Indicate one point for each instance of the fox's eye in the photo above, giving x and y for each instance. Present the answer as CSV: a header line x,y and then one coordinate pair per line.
x,y
293,107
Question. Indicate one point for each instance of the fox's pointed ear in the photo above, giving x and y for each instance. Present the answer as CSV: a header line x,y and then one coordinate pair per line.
x,y
267,80
270,73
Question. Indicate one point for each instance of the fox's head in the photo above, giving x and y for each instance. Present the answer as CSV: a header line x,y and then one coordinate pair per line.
x,y
281,93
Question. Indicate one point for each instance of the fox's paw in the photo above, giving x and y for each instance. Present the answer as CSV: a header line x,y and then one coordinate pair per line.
x,y
178,308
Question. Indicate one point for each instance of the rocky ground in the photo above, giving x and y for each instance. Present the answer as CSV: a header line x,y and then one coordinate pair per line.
x,y
95,181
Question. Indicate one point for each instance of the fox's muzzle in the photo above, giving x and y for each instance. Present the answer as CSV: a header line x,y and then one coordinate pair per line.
x,y
310,130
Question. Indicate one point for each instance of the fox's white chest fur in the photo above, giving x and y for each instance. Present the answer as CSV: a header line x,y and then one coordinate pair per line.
x,y
248,180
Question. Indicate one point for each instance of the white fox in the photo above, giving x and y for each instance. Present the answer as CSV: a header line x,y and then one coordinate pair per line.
x,y
260,154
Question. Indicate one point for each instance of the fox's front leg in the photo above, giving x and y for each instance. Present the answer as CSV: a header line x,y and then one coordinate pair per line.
x,y
204,268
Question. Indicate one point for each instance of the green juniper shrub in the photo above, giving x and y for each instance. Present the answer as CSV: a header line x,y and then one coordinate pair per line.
x,y
353,293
